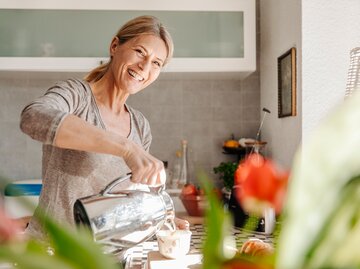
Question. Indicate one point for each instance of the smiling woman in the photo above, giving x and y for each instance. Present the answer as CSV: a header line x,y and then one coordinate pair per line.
x,y
90,135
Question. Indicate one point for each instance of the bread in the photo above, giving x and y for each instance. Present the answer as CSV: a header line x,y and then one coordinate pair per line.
x,y
256,247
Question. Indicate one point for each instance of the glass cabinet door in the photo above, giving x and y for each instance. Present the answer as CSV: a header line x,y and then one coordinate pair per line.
x,y
88,33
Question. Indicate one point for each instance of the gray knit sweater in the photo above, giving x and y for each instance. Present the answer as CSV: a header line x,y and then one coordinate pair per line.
x,y
70,174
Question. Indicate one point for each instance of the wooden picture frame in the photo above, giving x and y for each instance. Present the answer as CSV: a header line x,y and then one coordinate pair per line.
x,y
287,84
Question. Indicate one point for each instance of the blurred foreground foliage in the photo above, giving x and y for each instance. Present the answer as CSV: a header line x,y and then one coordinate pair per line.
x,y
67,248
219,236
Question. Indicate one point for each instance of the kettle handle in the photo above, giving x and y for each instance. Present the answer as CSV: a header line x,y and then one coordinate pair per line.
x,y
113,183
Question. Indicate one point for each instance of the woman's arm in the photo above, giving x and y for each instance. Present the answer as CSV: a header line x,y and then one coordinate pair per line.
x,y
50,120
75,133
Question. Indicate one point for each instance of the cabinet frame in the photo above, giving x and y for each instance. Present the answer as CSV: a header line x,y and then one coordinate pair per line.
x,y
241,66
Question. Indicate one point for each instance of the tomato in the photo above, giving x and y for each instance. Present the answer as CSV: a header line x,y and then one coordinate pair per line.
x,y
189,189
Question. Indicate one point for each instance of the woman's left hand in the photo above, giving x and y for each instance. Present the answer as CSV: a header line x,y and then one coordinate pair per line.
x,y
182,224
9,228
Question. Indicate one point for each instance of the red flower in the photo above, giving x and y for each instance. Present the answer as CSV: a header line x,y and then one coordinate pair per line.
x,y
260,184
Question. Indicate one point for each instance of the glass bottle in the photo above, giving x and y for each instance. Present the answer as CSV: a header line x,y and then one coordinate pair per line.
x,y
175,173
184,169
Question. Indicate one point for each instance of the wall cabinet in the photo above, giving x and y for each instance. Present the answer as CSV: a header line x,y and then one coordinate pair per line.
x,y
209,35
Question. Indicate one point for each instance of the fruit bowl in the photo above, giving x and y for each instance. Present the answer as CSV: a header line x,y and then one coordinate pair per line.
x,y
194,204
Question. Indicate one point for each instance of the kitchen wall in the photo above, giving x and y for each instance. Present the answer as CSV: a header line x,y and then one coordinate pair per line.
x,y
330,29
280,30
323,33
204,111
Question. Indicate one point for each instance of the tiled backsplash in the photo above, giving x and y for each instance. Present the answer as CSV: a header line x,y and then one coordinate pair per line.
x,y
205,112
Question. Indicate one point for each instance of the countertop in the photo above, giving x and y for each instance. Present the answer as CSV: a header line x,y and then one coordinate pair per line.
x,y
190,219
137,258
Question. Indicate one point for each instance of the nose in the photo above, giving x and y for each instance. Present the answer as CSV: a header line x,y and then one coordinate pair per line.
x,y
145,65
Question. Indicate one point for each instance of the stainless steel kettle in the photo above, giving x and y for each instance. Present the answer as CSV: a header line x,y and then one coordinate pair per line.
x,y
120,220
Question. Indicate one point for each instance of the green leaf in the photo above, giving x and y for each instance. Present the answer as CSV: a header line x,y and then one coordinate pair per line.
x,y
226,170
327,161
78,247
73,248
336,245
251,223
31,258
218,225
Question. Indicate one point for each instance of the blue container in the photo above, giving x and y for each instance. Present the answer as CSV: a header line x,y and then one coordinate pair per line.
x,y
22,197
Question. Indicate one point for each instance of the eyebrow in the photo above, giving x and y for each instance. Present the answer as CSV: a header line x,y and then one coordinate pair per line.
x,y
159,59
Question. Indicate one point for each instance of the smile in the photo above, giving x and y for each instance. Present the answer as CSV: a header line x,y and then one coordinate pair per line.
x,y
135,75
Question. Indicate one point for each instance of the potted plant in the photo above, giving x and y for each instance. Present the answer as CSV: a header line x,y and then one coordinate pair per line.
x,y
226,171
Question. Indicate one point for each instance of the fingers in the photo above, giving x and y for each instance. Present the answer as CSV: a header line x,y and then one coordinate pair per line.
x,y
153,173
9,228
157,179
153,180
145,168
182,224
161,178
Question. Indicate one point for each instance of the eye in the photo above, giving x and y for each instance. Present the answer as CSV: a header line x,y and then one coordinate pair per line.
x,y
157,63
139,51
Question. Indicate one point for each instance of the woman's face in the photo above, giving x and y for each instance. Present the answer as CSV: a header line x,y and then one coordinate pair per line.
x,y
138,62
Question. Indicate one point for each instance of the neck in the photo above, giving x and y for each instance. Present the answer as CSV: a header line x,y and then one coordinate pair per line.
x,y
109,95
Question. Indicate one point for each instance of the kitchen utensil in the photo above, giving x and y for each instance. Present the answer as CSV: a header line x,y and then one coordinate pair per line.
x,y
262,122
123,219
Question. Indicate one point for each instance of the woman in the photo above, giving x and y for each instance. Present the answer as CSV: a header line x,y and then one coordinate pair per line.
x,y
90,135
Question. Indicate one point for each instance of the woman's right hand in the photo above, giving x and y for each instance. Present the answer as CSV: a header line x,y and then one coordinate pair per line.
x,y
145,168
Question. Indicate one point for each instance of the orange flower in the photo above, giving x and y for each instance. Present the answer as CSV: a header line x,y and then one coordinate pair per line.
x,y
259,184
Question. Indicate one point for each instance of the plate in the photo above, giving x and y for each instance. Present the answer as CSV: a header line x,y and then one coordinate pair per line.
x,y
255,143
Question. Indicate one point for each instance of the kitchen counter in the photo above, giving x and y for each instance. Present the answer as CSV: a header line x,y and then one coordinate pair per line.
x,y
137,258
191,219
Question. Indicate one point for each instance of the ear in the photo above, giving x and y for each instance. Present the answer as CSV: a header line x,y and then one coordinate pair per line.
x,y
113,45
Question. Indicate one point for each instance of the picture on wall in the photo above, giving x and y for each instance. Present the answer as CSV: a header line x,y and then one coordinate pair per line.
x,y
287,84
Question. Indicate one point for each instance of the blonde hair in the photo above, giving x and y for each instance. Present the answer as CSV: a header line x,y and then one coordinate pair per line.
x,y
134,28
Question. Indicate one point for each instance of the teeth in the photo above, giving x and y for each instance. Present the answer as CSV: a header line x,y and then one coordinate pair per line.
x,y
135,75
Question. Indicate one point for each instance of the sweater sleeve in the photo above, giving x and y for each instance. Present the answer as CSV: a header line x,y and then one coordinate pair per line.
x,y
41,118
